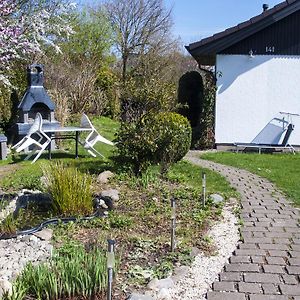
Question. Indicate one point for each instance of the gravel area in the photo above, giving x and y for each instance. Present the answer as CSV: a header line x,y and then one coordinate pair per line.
x,y
204,270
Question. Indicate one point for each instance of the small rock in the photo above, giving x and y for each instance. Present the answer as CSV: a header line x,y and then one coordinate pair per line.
x,y
33,239
136,296
105,176
195,251
25,238
111,193
45,234
164,294
156,284
216,198
5,287
180,273
102,204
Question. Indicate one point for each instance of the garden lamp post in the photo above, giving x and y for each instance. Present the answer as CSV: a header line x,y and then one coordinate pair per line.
x,y
110,266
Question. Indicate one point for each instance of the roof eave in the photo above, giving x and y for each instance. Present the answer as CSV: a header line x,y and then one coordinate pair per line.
x,y
210,49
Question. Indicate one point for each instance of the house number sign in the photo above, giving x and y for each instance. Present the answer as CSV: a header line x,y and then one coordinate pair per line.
x,y
270,49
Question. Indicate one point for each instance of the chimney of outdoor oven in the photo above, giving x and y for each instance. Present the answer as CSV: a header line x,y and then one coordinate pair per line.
x,y
36,98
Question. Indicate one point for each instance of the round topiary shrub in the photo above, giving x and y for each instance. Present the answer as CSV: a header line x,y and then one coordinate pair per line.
x,y
162,138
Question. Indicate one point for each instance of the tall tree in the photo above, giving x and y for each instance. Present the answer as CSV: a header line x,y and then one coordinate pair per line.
x,y
140,25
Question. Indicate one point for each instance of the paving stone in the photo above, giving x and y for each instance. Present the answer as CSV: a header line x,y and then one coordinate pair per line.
x,y
248,246
295,254
251,252
252,240
276,229
268,297
292,290
275,260
281,240
275,269
269,288
224,286
295,247
242,268
254,228
294,261
262,224
225,296
245,287
289,279
273,246
293,270
261,278
258,259
239,259
230,276
278,253
278,234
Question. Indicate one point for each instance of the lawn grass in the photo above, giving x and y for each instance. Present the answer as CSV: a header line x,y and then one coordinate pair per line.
x,y
281,169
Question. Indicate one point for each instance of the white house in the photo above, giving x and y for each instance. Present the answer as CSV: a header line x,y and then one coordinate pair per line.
x,y
257,65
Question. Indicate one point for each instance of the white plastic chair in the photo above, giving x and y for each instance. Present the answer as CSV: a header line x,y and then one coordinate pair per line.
x,y
93,137
28,140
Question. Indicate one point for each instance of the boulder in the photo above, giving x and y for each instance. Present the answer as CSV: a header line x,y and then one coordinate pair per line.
x,y
136,296
105,176
164,294
216,198
179,273
156,284
113,194
45,234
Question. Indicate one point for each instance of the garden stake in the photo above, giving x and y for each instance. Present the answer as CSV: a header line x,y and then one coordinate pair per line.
x,y
173,224
203,188
110,267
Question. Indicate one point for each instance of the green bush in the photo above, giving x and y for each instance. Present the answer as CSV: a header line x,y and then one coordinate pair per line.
x,y
70,190
71,272
162,138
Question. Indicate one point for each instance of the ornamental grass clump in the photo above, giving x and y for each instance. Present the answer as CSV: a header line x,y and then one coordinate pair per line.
x,y
72,272
70,190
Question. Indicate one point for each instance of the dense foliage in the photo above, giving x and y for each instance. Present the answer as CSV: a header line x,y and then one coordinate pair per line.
x,y
162,138
196,97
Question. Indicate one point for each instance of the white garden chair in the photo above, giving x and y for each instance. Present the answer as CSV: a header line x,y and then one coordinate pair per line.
x,y
93,137
29,140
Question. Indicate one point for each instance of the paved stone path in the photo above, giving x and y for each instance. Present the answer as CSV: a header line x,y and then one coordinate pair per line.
x,y
266,265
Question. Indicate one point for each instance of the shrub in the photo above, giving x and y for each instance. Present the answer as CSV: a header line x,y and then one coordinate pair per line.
x,y
162,138
70,190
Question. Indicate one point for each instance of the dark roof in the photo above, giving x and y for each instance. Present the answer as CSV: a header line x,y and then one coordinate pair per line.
x,y
204,51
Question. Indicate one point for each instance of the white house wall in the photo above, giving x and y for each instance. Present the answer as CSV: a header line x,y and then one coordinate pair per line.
x,y
252,91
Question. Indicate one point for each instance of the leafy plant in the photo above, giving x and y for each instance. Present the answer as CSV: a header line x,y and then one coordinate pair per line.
x,y
70,189
71,272
119,221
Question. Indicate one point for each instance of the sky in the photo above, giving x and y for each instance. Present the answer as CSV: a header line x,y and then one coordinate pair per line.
x,y
197,19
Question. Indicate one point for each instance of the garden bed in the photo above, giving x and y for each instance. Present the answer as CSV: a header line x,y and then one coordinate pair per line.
x,y
140,223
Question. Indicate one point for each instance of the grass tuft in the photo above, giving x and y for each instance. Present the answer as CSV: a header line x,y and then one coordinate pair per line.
x,y
71,190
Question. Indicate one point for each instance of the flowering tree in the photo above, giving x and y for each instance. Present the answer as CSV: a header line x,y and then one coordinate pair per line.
x,y
26,26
